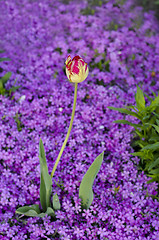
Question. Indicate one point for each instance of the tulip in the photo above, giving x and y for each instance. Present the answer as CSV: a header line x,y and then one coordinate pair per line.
x,y
76,69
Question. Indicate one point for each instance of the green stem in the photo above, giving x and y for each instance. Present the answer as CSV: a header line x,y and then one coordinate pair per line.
x,y
68,133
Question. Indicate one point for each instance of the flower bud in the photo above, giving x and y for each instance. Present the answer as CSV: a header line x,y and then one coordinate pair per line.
x,y
76,69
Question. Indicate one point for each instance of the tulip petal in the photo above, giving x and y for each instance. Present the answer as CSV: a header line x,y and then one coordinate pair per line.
x,y
67,73
68,59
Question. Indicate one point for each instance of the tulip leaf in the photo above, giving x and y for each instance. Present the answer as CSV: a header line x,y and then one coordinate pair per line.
x,y
29,210
50,212
55,202
34,211
85,190
45,179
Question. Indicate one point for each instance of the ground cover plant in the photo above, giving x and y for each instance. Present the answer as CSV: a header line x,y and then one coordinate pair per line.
x,y
150,5
4,79
146,132
119,41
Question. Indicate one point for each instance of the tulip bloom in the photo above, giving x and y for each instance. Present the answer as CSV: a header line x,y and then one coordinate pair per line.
x,y
76,69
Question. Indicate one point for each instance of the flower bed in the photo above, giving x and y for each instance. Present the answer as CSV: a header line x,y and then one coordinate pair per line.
x,y
120,44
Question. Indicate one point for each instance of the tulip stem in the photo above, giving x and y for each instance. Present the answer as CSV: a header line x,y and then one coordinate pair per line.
x,y
68,133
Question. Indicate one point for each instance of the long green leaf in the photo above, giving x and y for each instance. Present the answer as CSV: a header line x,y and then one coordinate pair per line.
x,y
128,123
153,164
157,121
85,190
4,59
139,133
6,77
26,210
13,89
45,179
154,178
132,107
156,127
154,103
154,139
140,100
149,98
157,115
152,147
145,155
155,171
123,110
138,154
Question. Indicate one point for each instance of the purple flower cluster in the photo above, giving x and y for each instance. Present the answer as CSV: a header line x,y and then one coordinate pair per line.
x,y
120,43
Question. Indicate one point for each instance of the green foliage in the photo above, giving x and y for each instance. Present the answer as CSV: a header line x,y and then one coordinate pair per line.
x,y
45,192
113,25
140,100
129,123
146,139
121,2
55,202
123,110
45,179
149,5
18,122
89,10
4,79
103,64
34,211
85,190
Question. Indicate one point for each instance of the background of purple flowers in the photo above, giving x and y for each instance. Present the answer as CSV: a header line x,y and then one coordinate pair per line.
x,y
120,43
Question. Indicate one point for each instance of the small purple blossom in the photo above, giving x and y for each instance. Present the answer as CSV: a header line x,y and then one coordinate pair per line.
x,y
120,44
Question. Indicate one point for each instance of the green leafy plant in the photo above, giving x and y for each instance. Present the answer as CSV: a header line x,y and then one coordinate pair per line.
x,y
146,137
4,79
48,206
18,122
149,5
90,10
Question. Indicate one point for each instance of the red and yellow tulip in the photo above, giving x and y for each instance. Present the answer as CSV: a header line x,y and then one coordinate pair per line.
x,y
76,69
